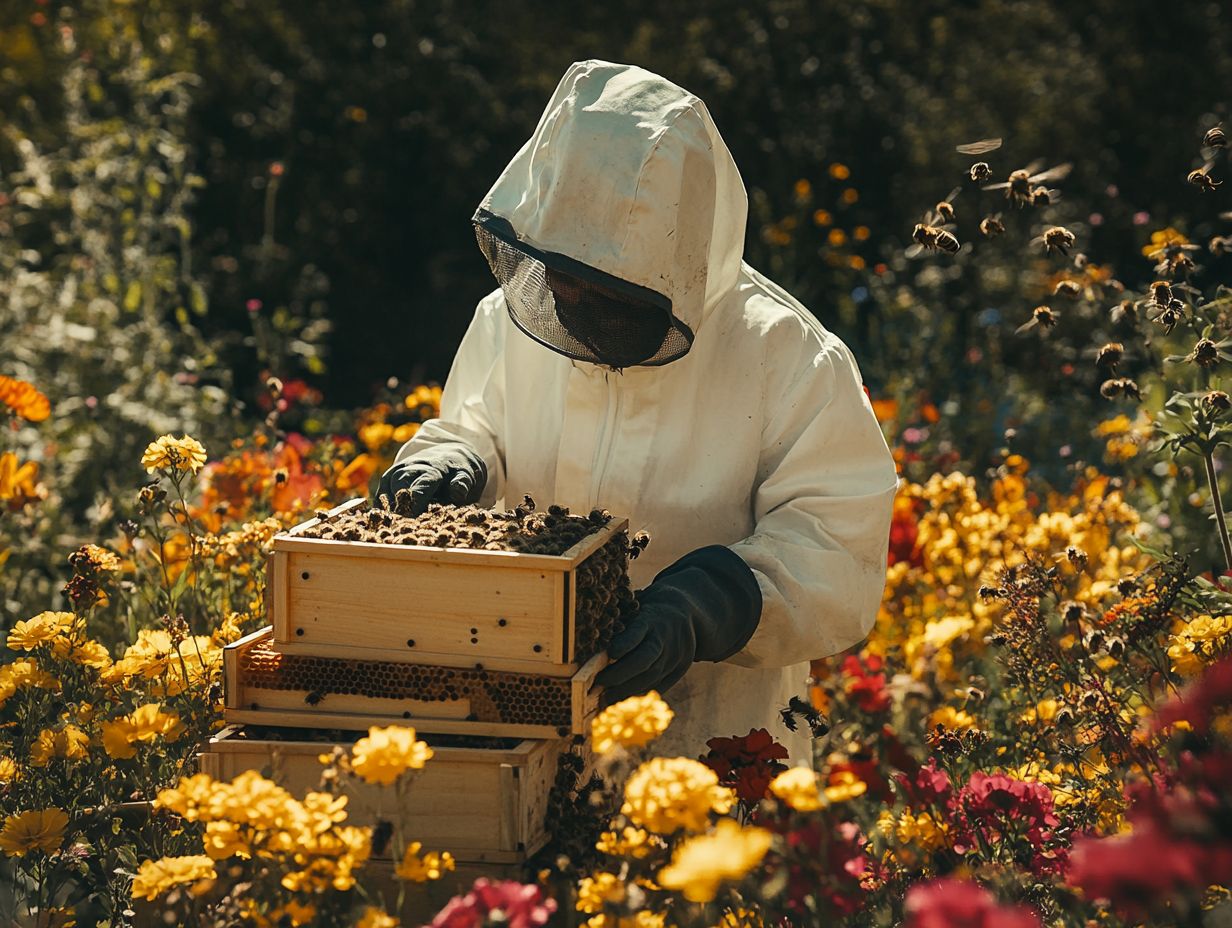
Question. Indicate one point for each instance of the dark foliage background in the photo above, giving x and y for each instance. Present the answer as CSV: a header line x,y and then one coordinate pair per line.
x,y
389,119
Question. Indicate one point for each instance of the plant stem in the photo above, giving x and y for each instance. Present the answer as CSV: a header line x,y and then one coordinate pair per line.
x,y
1213,480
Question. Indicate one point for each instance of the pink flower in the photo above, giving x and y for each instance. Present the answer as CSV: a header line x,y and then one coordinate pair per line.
x,y
950,903
506,903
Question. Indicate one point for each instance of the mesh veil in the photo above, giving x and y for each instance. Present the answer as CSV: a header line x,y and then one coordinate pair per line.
x,y
576,310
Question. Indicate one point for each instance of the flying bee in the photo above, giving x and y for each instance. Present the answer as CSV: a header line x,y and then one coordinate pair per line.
x,y
1169,315
980,172
1057,238
1213,141
1067,289
1161,293
1042,196
992,226
1220,245
981,147
1020,187
314,697
1110,355
1043,317
933,232
1119,386
1201,178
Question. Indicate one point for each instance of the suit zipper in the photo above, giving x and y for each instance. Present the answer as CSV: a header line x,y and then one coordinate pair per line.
x,y
603,451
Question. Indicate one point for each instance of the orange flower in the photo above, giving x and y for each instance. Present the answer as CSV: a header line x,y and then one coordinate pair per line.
x,y
24,399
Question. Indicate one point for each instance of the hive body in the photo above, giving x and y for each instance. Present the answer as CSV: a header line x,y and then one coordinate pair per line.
x,y
508,610
481,803
488,650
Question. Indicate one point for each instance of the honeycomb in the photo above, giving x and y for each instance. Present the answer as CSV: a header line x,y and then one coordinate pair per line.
x,y
523,529
604,597
346,737
495,696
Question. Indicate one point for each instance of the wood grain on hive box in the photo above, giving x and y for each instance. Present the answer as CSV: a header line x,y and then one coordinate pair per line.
x,y
445,606
264,685
482,804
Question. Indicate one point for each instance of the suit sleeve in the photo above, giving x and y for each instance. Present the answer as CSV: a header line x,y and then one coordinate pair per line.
x,y
822,506
473,399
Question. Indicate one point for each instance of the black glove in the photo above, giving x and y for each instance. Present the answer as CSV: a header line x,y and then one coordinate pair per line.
x,y
450,472
704,607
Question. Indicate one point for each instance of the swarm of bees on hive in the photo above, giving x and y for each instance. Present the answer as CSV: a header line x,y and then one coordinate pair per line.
x,y
494,696
522,528
604,598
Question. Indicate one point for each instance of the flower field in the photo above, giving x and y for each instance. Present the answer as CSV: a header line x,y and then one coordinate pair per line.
x,y
1037,732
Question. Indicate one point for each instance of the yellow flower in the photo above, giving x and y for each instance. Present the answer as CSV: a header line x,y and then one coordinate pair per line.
x,y
375,434
952,719
594,892
1044,711
630,723
170,453
70,742
146,723
101,558
37,830
387,753
628,842
8,769
25,673
376,918
155,877
1199,642
406,432
700,864
224,839
839,171
798,788
17,482
42,629
430,866
845,785
666,794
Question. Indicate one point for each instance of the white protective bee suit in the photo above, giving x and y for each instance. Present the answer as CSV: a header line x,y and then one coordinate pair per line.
x,y
760,437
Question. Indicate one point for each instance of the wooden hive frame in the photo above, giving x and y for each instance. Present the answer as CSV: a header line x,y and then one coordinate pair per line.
x,y
453,607
482,804
264,686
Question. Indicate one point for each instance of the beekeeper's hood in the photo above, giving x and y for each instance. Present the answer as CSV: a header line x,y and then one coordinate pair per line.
x,y
620,222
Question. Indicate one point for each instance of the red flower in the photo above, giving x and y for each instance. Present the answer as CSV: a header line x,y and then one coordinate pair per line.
x,y
929,787
950,903
863,684
1198,702
507,903
746,764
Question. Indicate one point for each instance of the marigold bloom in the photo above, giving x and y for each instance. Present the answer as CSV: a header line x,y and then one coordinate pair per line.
x,y
170,453
1201,641
628,842
146,723
666,794
225,839
42,629
156,877
701,864
387,753
844,785
69,743
951,719
374,917
593,892
24,399
798,788
8,769
17,482
417,869
36,830
630,723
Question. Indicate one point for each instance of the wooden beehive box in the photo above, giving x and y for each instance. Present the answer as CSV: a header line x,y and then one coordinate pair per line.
x,y
483,804
453,607
265,685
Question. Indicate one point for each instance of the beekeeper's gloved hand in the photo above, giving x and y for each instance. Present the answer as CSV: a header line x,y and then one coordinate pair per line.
x,y
704,607
451,472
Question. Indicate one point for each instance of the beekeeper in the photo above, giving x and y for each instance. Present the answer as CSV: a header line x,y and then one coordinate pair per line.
x,y
630,360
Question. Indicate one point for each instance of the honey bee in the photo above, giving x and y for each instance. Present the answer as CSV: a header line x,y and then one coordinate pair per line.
x,y
1056,238
1119,386
1213,141
1201,178
1110,355
981,147
1221,245
314,697
933,233
980,172
992,226
1021,187
1043,317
